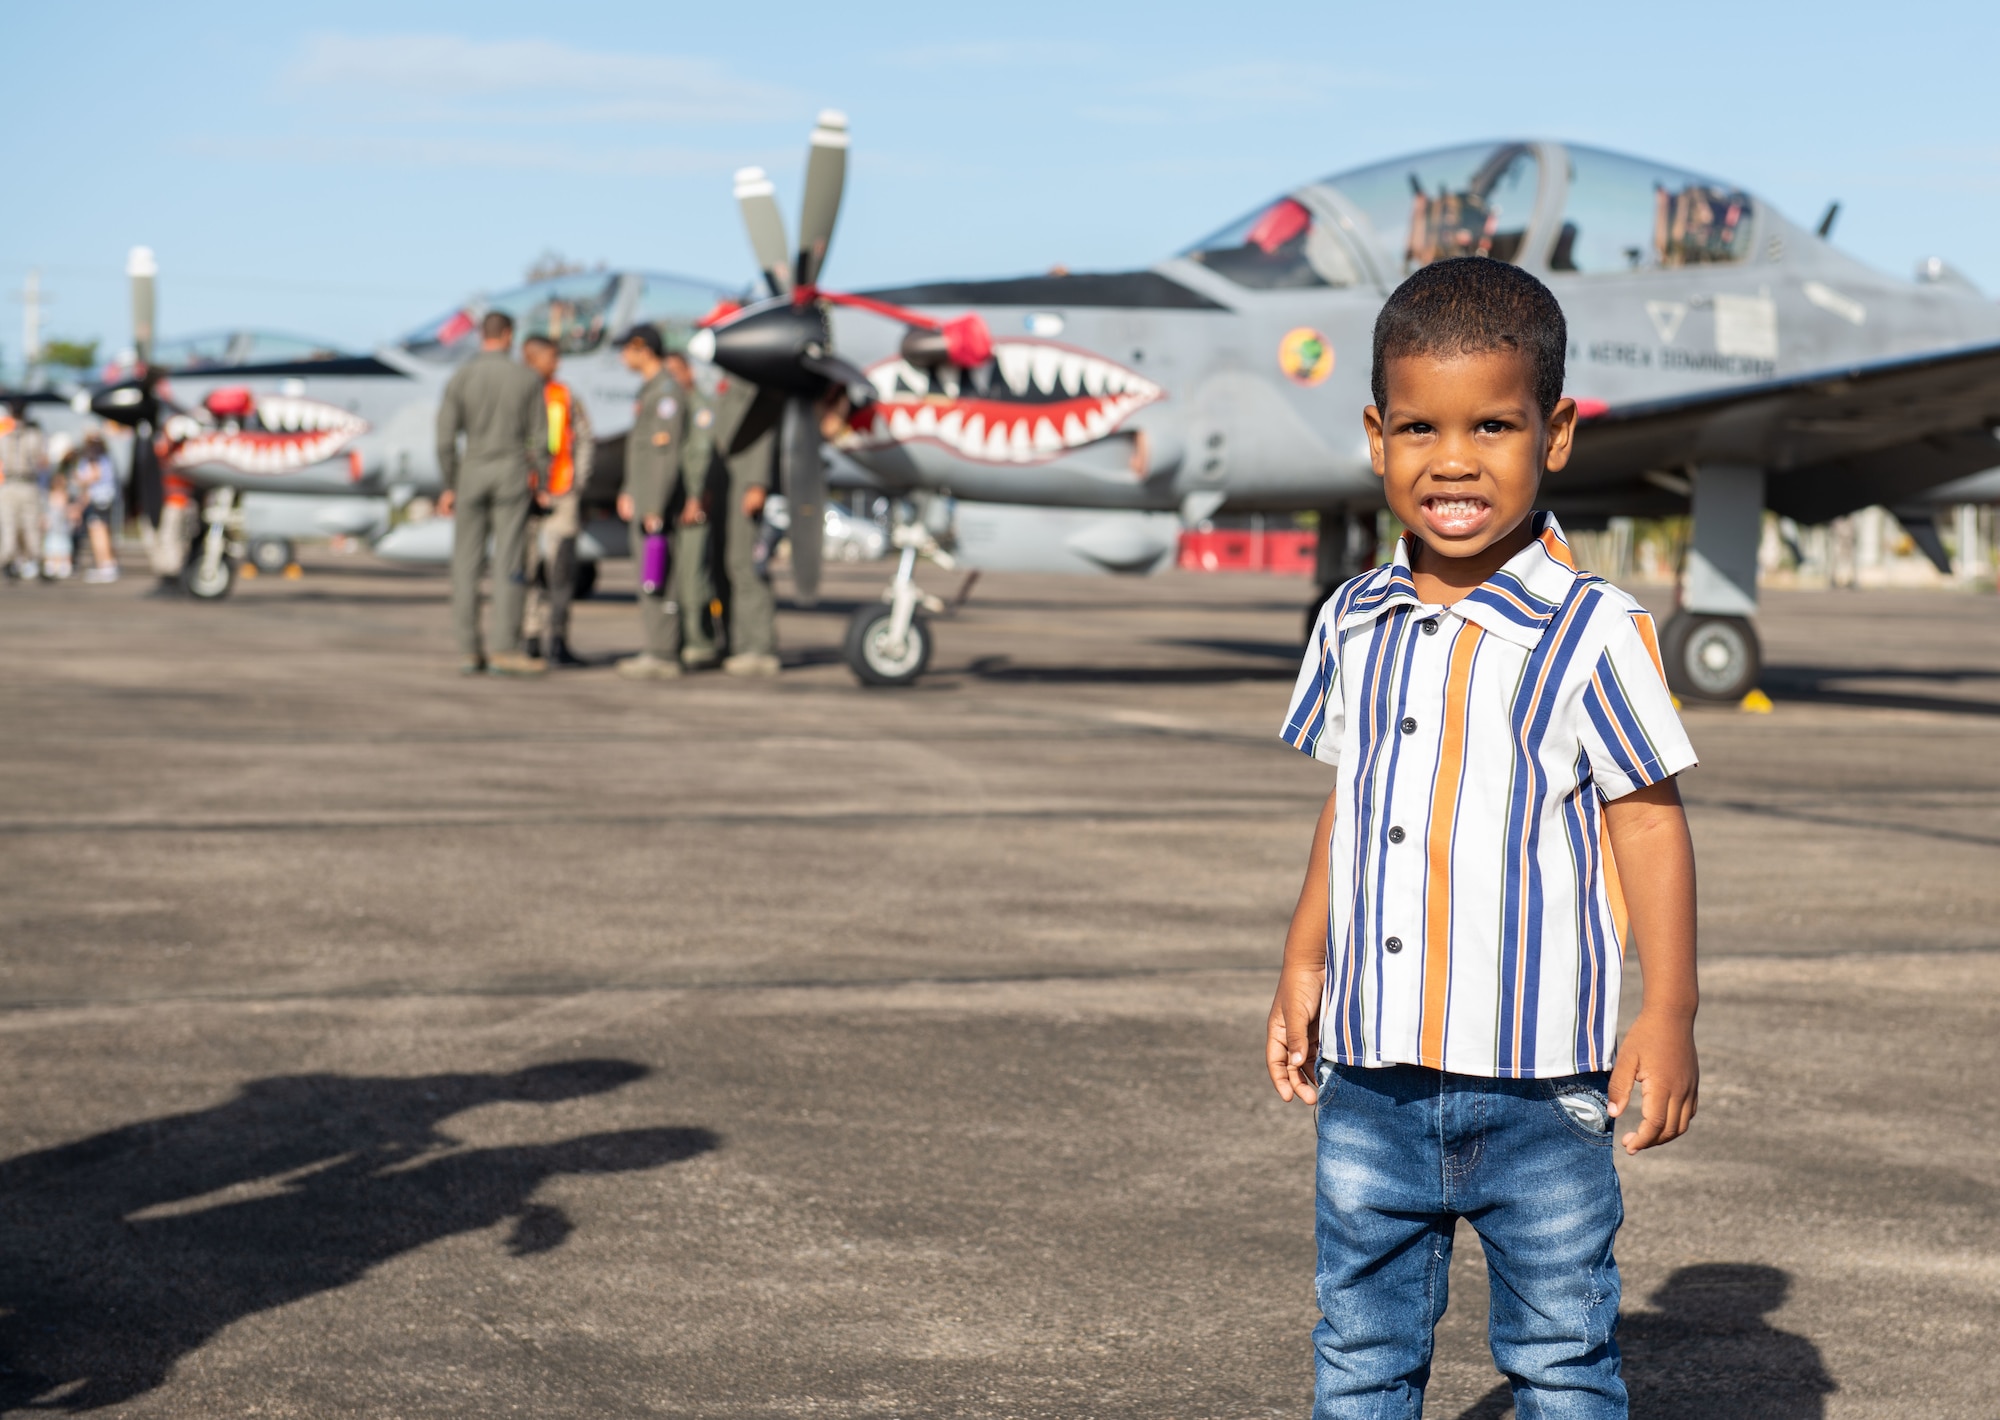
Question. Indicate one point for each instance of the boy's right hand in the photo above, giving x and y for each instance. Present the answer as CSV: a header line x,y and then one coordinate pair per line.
x,y
1291,1044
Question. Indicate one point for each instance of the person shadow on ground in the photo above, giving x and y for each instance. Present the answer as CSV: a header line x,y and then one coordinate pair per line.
x,y
126,1251
1705,1352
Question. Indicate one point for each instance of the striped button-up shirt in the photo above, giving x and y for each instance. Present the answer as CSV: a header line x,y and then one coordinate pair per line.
x,y
1474,920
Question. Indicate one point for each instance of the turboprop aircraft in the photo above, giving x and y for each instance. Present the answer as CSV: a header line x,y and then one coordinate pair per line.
x,y
302,419
1725,360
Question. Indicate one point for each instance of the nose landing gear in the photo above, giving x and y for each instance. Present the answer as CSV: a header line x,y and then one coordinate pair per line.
x,y
890,645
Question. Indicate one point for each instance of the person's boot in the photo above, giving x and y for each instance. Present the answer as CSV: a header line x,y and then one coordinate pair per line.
x,y
646,666
560,654
751,663
514,663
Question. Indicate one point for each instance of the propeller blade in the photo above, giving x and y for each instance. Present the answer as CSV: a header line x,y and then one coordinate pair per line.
x,y
826,174
142,270
836,371
805,491
759,419
758,201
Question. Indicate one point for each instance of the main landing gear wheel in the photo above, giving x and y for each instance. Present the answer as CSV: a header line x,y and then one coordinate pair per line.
x,y
873,655
1711,657
204,585
272,554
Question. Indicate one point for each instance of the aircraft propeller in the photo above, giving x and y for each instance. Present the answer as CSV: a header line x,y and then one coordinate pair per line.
x,y
134,402
784,344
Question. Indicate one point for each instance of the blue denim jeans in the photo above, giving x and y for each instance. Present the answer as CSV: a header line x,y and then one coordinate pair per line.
x,y
1404,1152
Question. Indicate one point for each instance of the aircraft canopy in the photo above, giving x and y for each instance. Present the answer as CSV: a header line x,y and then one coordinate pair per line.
x,y
579,312
1618,214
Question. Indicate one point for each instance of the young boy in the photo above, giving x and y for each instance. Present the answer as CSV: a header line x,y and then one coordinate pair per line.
x,y
1503,821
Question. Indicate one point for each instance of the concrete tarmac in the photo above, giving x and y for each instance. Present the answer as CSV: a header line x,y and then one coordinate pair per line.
x,y
379,1042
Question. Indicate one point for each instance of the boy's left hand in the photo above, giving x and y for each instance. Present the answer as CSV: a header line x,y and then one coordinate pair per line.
x,y
1658,1054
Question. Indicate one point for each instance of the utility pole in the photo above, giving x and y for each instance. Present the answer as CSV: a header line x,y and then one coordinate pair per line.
x,y
31,319
32,300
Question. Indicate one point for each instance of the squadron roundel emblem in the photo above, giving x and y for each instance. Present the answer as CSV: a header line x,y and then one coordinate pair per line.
x,y
1305,355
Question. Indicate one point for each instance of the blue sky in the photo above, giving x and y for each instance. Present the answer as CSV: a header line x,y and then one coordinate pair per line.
x,y
348,171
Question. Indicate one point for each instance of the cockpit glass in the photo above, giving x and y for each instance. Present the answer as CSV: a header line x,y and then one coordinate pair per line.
x,y
1626,214
224,348
674,304
1279,247
574,311
1473,201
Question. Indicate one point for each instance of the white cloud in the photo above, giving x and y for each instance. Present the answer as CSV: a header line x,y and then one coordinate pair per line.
x,y
660,160
545,75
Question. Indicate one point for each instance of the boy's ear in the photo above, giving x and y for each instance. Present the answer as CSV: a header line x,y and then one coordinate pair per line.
x,y
1371,420
1561,435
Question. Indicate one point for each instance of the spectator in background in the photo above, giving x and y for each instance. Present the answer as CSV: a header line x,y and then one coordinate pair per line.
x,y
58,545
22,455
96,495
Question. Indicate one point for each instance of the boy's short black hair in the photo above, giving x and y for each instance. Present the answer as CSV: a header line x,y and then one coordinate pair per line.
x,y
541,340
1473,305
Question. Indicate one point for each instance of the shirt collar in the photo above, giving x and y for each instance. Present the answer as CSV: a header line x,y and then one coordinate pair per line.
x,y
1516,603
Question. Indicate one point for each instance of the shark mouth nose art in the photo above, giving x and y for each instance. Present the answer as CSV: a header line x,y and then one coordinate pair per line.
x,y
1033,401
278,434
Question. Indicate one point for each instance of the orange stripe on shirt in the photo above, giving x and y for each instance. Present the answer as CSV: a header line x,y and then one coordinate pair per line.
x,y
1614,891
1644,623
1558,549
1437,853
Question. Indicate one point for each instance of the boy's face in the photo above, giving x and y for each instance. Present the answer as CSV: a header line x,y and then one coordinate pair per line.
x,y
1462,446
540,358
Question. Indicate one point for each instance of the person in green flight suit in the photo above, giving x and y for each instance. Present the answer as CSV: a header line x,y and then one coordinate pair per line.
x,y
694,580
753,636
497,406
652,493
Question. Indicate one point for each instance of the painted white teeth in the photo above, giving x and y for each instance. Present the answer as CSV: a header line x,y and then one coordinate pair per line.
x,y
1016,363
1094,374
1047,365
1073,431
1072,374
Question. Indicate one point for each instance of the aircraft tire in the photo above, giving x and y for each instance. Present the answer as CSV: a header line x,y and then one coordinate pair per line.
x,y
873,661
1712,658
584,581
272,554
207,589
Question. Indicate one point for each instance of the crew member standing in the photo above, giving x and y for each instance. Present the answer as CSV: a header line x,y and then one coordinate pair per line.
x,y
22,454
497,405
652,491
753,633
694,577
558,506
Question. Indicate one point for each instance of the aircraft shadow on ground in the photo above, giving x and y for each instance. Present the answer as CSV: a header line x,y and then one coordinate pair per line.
x,y
1704,1352
1823,685
126,1251
1267,660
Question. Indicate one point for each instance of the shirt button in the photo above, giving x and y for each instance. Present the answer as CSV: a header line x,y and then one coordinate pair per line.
x,y
1393,945
1430,625
1409,725
1396,835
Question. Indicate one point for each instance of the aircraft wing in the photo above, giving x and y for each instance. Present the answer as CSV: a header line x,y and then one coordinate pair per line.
x,y
1832,441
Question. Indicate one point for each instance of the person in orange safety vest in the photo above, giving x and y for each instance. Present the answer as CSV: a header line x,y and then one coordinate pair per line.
x,y
558,510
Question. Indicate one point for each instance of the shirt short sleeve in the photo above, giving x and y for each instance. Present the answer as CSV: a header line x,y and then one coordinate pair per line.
x,y
1313,723
1630,730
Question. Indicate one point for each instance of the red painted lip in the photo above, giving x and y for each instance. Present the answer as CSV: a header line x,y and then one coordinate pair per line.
x,y
1591,408
1040,401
